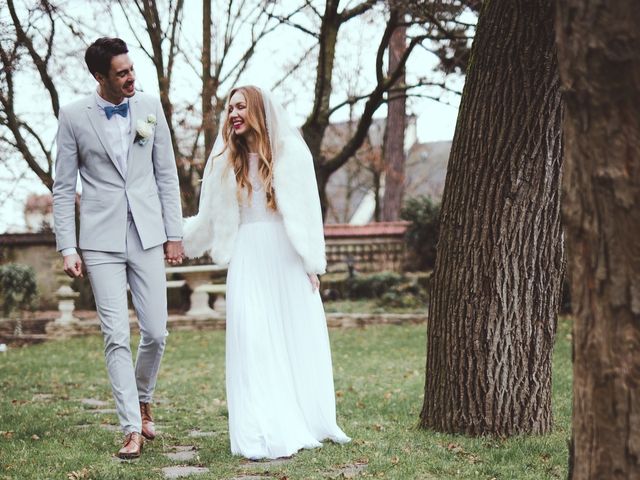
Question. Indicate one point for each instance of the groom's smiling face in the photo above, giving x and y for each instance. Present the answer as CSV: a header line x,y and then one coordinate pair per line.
x,y
120,81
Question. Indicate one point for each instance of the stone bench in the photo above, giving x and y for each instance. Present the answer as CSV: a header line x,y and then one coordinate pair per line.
x,y
198,279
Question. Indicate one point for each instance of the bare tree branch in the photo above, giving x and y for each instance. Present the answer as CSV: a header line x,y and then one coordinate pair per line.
x,y
134,30
38,61
45,151
347,15
295,67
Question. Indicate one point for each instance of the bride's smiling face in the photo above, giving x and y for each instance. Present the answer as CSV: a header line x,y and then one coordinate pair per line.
x,y
238,113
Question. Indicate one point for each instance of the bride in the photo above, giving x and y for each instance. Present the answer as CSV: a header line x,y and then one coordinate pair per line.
x,y
260,214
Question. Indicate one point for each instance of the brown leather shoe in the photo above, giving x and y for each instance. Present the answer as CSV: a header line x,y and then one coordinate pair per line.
x,y
132,447
148,427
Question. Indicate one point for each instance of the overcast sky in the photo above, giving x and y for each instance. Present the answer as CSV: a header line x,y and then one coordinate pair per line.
x,y
355,69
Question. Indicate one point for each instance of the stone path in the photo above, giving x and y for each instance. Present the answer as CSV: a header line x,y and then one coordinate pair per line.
x,y
348,471
253,470
183,471
42,397
251,477
182,453
93,402
267,464
200,433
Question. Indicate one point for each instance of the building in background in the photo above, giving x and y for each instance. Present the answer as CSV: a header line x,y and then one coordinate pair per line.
x,y
38,213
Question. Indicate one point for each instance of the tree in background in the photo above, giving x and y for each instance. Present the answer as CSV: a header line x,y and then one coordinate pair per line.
x,y
49,40
600,69
394,133
37,38
218,68
434,26
499,266
19,46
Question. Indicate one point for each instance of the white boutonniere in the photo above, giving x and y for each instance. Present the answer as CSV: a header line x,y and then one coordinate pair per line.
x,y
144,129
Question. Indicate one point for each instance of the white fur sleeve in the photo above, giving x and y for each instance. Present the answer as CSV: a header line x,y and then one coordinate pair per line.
x,y
299,202
198,235
198,230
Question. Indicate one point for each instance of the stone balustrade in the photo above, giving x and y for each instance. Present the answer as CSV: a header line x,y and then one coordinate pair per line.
x,y
198,279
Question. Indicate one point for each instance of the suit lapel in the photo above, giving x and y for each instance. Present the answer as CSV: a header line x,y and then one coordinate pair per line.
x,y
95,118
135,110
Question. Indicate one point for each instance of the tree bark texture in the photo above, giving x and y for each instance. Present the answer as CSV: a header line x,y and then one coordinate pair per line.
x,y
500,257
599,52
208,86
394,133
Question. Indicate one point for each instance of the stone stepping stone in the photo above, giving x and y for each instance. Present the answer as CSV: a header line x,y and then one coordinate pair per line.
x,y
251,477
276,462
94,402
182,453
200,433
110,428
180,471
103,410
42,397
349,471
104,426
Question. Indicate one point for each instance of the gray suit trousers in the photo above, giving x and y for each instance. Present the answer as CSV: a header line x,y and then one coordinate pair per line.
x,y
109,274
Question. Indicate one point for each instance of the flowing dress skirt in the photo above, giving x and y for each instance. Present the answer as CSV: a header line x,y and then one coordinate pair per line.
x,y
280,391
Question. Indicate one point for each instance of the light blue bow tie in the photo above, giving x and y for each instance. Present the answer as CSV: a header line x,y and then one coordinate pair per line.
x,y
122,110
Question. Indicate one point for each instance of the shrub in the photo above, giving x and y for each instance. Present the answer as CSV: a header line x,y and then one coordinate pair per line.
x,y
389,289
371,286
408,294
18,291
422,234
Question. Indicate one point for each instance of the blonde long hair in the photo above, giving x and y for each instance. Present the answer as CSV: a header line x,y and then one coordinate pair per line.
x,y
239,149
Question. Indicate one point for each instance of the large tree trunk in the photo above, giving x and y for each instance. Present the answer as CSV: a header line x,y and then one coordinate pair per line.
x,y
208,86
394,133
499,267
599,51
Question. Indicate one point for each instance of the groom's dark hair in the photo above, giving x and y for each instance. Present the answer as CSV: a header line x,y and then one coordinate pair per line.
x,y
99,54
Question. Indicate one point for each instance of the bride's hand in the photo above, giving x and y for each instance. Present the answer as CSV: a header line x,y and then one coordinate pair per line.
x,y
315,282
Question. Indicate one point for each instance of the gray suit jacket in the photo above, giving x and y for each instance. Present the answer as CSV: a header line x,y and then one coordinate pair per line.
x,y
150,186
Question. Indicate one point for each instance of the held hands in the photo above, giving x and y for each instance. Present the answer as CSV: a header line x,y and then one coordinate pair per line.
x,y
173,252
315,282
73,265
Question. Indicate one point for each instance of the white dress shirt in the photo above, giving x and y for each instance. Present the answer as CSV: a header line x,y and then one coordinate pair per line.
x,y
118,129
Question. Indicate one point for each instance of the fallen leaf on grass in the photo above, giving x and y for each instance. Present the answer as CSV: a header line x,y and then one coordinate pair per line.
x,y
35,437
455,448
8,434
359,441
78,475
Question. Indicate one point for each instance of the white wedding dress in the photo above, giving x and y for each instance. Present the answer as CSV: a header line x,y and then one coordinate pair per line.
x,y
280,391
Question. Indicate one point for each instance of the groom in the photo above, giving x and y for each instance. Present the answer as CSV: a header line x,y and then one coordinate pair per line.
x,y
118,140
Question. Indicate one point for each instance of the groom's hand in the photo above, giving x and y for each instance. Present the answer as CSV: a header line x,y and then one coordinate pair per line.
x,y
73,265
173,252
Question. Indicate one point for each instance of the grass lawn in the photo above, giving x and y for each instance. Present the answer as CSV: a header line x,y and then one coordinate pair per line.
x,y
46,431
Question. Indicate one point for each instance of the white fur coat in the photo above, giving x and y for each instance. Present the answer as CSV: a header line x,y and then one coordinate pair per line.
x,y
215,227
